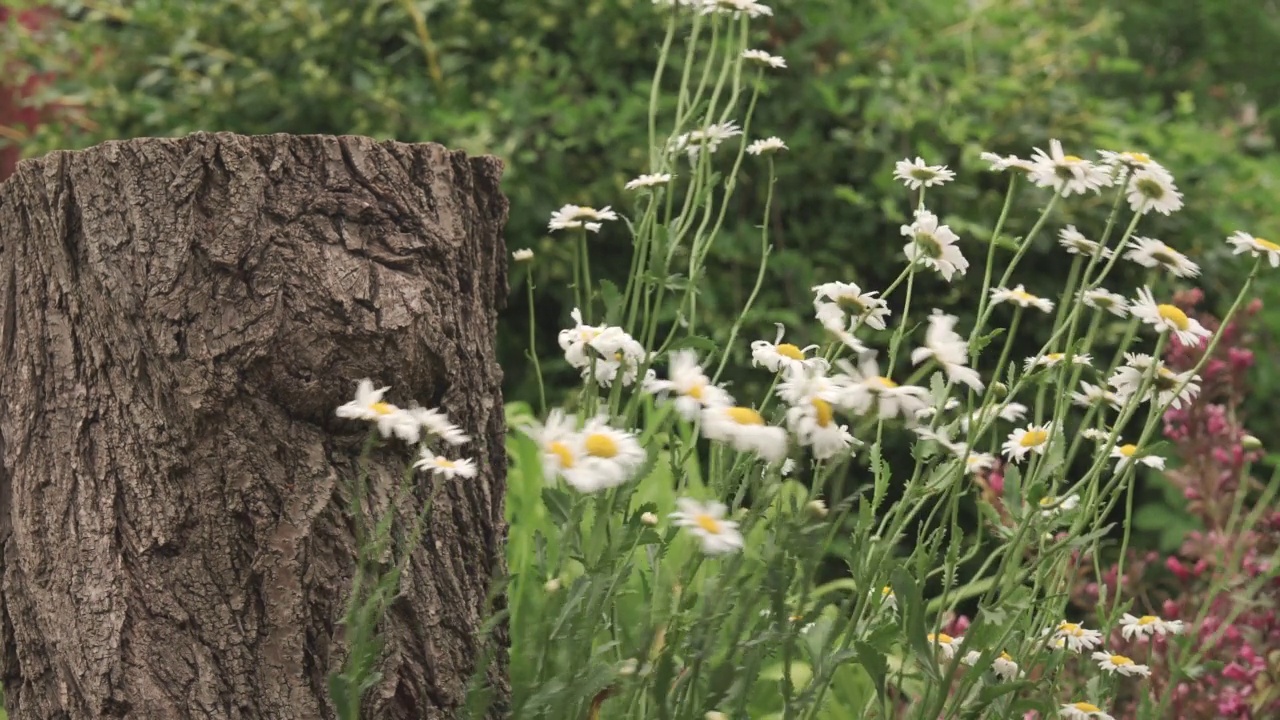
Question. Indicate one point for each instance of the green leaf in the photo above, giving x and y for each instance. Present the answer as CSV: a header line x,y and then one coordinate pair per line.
x,y
612,300
558,503
913,623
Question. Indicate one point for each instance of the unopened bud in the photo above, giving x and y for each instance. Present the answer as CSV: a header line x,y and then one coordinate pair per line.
x,y
649,519
715,715
1000,389
628,667
1249,442
817,509
552,585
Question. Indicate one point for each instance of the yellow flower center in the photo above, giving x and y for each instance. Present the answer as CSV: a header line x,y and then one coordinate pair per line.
x,y
445,462
886,590
787,350
1005,656
561,451
1137,157
1023,296
1086,707
709,524
1069,627
1128,450
822,411
744,416
1267,245
1175,316
601,445
1120,660
1033,438
929,245
1072,158
695,392
886,383
383,408
1147,620
1047,501
1054,357
942,638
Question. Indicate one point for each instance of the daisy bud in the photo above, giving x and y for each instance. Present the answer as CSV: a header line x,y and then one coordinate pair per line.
x,y
649,519
1249,442
552,585
715,715
628,667
999,389
817,509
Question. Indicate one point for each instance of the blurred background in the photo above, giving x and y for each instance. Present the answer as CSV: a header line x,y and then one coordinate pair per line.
x,y
559,90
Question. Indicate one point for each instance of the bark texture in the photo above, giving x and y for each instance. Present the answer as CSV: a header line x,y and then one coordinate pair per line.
x,y
179,318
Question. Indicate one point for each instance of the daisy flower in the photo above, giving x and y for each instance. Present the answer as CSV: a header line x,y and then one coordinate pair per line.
x,y
745,430
570,217
1083,711
616,353
1051,506
368,405
1008,162
559,444
1075,638
1031,439
1020,297
1004,667
867,388
1151,253
609,457
522,255
841,305
1152,188
1168,318
1144,627
981,418
436,423
766,146
947,644
708,139
1104,299
1129,453
1128,160
648,181
764,59
814,424
1120,664
1127,380
979,462
887,598
1066,174
777,356
574,340
736,8
707,522
948,349
933,246
1090,395
692,388
916,175
1077,244
1054,359
440,465
1243,242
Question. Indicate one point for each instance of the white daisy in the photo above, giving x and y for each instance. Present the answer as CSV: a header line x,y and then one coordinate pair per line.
x,y
559,444
707,522
436,423
1054,359
570,217
440,465
1008,162
1075,637
1243,242
1095,435
609,457
948,349
1090,395
574,340
1128,160
947,644
841,305
745,430
1144,627
1077,244
1149,252
1020,297
1051,505
979,462
1004,667
764,59
867,389
1120,664
777,356
613,353
933,245
766,146
1104,299
916,175
736,8
1031,439
810,380
708,139
980,418
1127,380
368,405
887,598
648,181
1168,318
814,424
691,386
1067,174
522,255
1083,711
1152,188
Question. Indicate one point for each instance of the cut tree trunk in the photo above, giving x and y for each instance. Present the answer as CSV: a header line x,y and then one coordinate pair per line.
x,y
179,319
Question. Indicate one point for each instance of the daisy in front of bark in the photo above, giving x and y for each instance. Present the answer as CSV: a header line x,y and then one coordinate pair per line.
x,y
1243,242
1104,299
707,522
559,444
767,146
1077,244
1090,395
745,430
1120,664
570,217
574,340
609,457
1144,627
934,246
369,406
947,644
865,389
1020,297
1051,506
1168,318
1054,359
648,181
1127,380
1008,162
764,59
945,346
1083,711
1075,637
778,356
1152,188
706,139
440,465
918,174
691,387
437,423
1067,174
841,306
1031,439
1152,253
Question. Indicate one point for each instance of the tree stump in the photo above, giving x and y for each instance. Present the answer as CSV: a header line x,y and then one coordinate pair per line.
x,y
179,319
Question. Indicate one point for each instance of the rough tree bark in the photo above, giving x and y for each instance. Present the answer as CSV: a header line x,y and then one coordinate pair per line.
x,y
179,318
